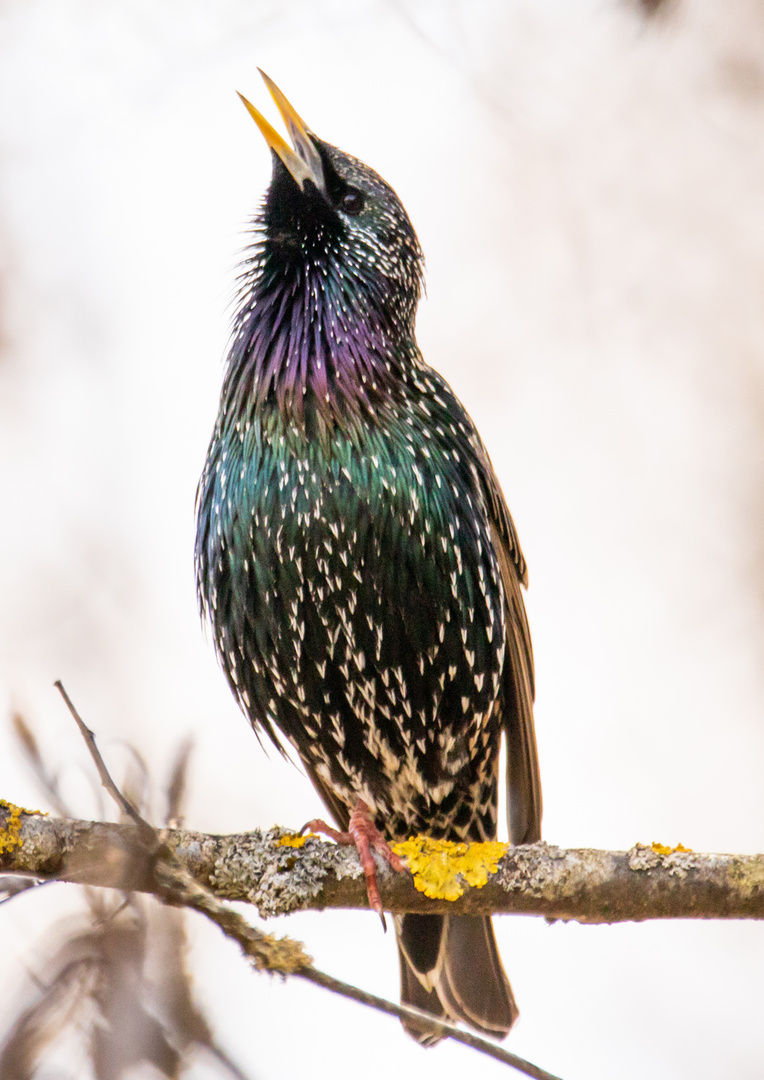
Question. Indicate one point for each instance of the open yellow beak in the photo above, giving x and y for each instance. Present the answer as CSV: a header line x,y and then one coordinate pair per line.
x,y
303,162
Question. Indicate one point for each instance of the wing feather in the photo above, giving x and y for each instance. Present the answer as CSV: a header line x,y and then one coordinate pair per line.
x,y
524,804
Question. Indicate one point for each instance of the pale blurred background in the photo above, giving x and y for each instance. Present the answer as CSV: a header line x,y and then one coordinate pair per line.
x,y
587,181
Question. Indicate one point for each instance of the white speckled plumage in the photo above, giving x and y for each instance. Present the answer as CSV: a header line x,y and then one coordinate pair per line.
x,y
355,556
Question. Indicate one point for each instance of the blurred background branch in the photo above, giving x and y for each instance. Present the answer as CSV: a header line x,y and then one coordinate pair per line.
x,y
116,980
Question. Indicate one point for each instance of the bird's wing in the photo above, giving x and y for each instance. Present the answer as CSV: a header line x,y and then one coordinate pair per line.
x,y
523,780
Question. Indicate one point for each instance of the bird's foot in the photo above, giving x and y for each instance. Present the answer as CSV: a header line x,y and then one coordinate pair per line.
x,y
365,837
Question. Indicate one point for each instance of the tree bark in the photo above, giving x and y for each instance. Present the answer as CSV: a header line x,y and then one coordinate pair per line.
x,y
585,885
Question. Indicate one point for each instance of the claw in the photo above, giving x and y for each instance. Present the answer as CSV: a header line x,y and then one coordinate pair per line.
x,y
318,825
365,837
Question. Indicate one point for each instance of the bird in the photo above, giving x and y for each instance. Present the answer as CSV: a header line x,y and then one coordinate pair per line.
x,y
355,557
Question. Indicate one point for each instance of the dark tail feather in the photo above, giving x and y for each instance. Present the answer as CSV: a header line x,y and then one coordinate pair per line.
x,y
475,987
450,966
413,993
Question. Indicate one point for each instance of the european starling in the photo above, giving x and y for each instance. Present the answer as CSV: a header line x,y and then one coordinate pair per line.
x,y
355,555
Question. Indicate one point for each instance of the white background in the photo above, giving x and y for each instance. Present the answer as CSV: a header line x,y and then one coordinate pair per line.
x,y
588,187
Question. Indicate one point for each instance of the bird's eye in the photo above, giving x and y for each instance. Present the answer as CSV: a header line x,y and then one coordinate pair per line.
x,y
352,201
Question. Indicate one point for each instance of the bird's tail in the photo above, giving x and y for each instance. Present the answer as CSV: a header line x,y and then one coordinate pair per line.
x,y
450,967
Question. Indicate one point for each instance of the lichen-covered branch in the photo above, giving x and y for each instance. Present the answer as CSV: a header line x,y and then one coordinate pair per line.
x,y
155,862
278,873
141,857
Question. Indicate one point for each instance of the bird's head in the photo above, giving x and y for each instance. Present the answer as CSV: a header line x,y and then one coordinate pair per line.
x,y
330,290
327,209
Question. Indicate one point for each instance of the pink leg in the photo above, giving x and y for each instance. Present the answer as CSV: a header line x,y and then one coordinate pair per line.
x,y
364,836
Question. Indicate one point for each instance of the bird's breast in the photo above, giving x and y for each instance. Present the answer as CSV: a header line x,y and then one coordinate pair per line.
x,y
359,608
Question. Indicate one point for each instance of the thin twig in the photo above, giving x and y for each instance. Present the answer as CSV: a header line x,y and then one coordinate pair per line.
x,y
219,1054
423,1019
176,787
123,803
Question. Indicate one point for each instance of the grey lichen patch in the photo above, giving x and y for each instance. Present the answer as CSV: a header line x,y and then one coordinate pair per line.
x,y
525,868
279,878
678,863
346,864
642,857
192,851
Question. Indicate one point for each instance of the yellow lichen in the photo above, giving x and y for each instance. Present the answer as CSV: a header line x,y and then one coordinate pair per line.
x,y
442,869
293,840
10,833
663,849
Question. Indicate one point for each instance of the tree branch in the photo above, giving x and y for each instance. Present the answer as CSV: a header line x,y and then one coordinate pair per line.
x,y
140,857
539,879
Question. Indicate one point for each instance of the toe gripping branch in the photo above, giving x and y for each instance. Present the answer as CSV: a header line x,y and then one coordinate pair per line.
x,y
365,837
